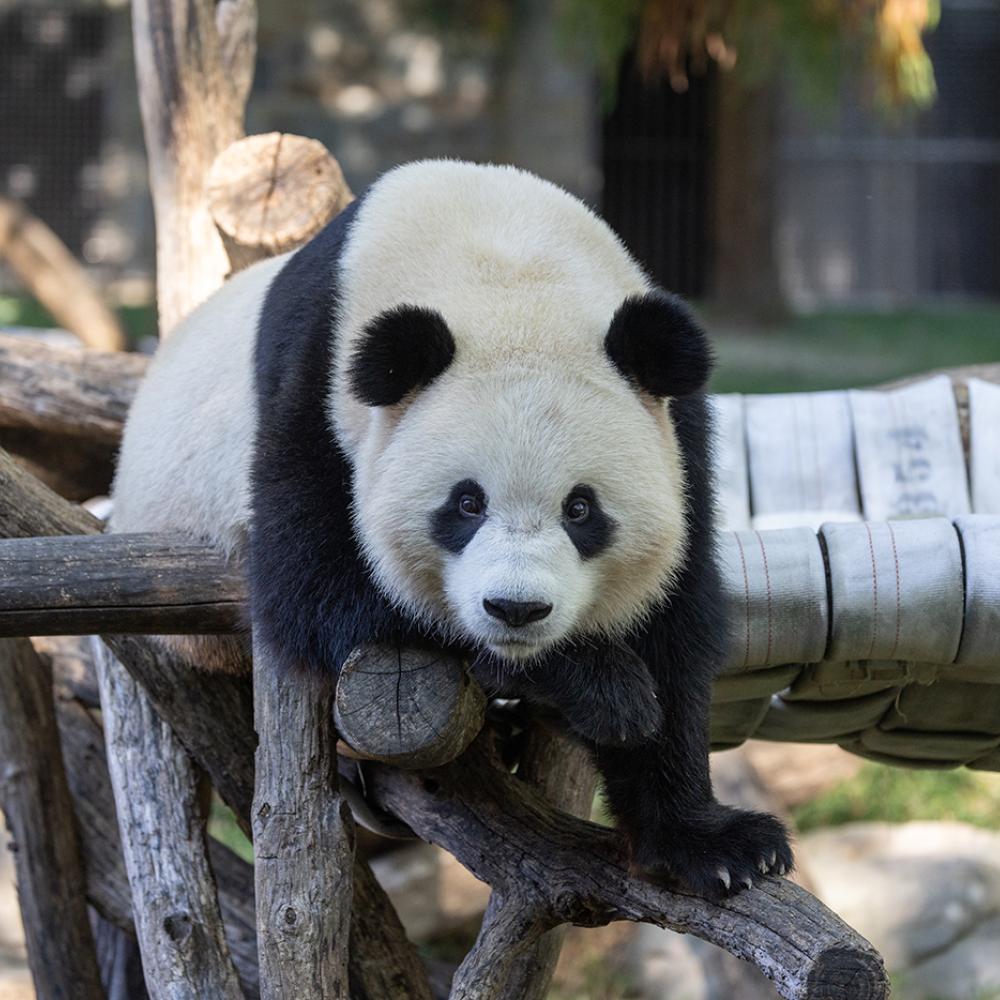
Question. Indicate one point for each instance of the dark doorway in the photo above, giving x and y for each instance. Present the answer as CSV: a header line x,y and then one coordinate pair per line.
x,y
656,159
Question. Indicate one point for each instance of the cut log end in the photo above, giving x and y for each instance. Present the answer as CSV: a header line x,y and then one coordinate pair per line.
x,y
270,193
844,973
409,707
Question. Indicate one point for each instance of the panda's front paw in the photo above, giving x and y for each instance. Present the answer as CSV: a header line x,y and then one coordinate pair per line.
x,y
719,854
606,694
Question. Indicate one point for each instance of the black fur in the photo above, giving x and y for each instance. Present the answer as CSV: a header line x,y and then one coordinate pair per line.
x,y
312,597
662,793
401,350
593,536
657,344
452,529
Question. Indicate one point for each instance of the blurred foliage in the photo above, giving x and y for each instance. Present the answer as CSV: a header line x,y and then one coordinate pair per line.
x,y
897,795
839,349
22,310
808,38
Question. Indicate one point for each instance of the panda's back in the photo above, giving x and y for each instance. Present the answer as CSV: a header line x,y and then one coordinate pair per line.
x,y
186,452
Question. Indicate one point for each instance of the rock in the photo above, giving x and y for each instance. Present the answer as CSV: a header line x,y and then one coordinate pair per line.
x,y
913,890
668,966
969,970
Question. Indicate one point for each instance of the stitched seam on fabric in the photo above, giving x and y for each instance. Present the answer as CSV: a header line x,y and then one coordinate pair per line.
x,y
746,601
767,581
871,552
895,559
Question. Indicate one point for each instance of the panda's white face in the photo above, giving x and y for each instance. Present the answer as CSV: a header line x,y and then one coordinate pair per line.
x,y
518,512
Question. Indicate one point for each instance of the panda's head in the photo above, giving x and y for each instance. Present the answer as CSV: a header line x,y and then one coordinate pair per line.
x,y
531,499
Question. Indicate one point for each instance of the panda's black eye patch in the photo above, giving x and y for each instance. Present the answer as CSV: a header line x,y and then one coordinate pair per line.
x,y
457,520
588,526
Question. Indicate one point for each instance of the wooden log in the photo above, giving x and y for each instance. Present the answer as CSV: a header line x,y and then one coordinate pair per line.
x,y
271,193
53,275
107,881
73,467
56,390
303,837
548,868
39,815
412,708
194,65
146,583
175,909
30,508
117,584
561,772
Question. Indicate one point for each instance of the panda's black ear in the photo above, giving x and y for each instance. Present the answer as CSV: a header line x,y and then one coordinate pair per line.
x,y
400,350
657,344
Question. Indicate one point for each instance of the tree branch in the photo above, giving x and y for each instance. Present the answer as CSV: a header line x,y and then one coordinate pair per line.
x,y
303,837
558,869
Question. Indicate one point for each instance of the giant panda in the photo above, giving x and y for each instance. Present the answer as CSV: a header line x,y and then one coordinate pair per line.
x,y
463,415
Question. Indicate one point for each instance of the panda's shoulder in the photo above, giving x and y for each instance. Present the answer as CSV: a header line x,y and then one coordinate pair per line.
x,y
296,322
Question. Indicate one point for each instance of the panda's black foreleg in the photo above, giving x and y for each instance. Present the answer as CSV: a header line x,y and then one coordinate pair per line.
x,y
661,794
605,693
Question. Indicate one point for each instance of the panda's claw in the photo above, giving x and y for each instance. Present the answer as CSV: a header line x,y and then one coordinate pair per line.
x,y
772,859
717,854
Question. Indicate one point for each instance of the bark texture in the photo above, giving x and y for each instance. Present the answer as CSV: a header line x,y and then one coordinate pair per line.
x,y
174,903
39,814
194,63
303,838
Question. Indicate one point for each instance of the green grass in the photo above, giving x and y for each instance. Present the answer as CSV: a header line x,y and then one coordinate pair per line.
x,y
896,795
21,310
223,827
837,350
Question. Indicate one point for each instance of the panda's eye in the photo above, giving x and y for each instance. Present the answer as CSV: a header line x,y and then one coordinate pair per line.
x,y
470,505
577,510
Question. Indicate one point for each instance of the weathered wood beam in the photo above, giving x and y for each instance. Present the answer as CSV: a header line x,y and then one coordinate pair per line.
x,y
58,390
39,814
117,584
194,65
561,772
547,868
107,884
174,904
303,837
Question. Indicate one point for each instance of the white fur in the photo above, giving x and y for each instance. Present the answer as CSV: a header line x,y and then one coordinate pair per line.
x,y
528,281
186,452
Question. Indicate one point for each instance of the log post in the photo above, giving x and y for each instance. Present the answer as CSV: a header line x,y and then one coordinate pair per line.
x,y
194,63
303,838
39,813
269,194
174,904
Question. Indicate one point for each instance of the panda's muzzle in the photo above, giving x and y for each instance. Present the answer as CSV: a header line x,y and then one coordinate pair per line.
x,y
516,613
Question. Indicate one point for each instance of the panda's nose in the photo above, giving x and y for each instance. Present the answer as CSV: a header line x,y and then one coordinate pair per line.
x,y
516,613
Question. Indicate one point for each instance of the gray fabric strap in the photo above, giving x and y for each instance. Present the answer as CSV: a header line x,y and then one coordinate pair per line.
x,y
896,590
980,647
984,445
801,459
909,451
730,462
775,586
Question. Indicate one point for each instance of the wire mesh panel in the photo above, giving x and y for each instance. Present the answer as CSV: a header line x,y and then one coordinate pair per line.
x,y
52,76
